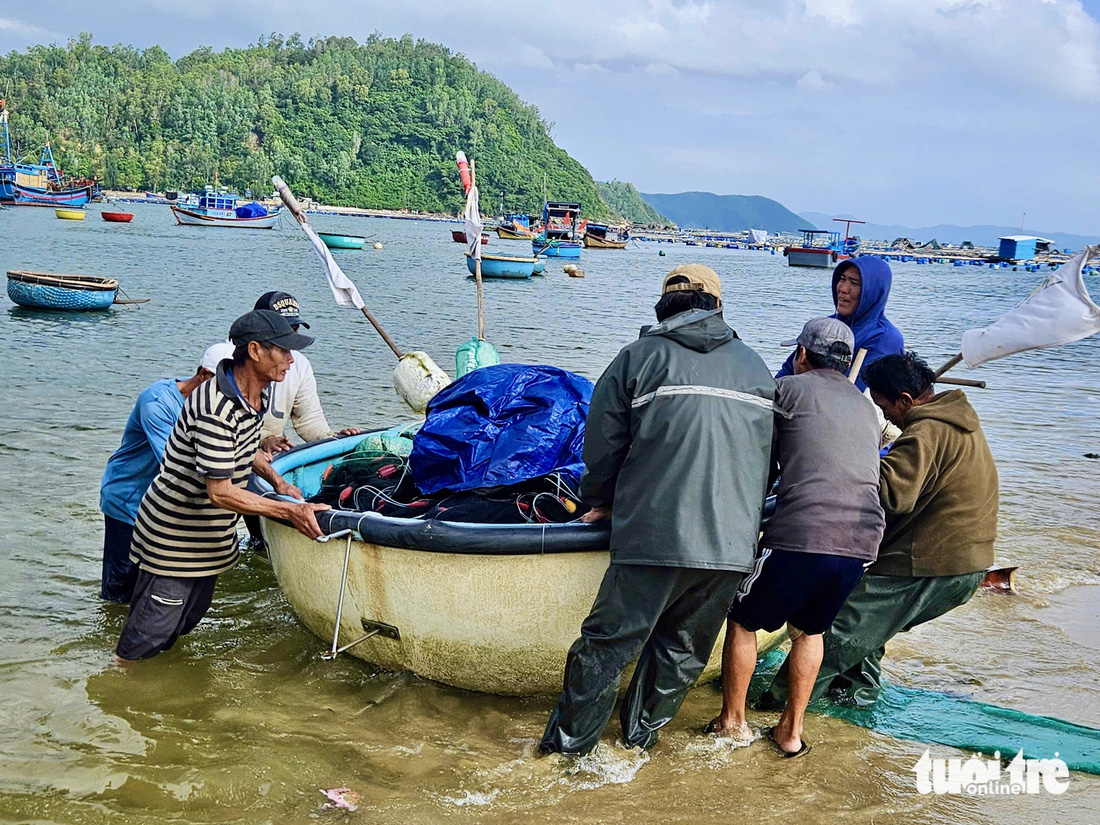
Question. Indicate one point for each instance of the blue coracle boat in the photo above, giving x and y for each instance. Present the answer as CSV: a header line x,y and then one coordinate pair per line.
x,y
559,235
502,266
42,290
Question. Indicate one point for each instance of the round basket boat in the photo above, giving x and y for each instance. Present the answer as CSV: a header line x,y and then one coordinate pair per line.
x,y
484,607
44,290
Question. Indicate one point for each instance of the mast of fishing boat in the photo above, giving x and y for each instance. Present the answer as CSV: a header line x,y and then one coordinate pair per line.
x,y
4,126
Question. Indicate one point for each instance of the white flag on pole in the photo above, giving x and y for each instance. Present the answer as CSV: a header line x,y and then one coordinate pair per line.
x,y
343,290
1058,312
473,224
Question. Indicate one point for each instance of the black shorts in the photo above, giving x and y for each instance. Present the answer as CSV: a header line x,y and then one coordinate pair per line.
x,y
163,609
803,590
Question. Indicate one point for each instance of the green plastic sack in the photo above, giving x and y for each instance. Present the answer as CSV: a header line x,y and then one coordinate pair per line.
x,y
473,354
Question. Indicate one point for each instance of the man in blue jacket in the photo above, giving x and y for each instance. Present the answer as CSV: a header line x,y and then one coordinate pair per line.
x,y
676,450
861,287
135,464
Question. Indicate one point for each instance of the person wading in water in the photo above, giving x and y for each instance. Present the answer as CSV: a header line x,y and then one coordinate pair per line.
x,y
676,451
185,535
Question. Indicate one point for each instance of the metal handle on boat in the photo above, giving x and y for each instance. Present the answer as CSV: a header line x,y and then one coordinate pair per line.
x,y
339,534
331,654
372,628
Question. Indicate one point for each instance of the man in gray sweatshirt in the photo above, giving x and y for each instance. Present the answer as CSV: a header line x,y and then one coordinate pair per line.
x,y
676,453
827,526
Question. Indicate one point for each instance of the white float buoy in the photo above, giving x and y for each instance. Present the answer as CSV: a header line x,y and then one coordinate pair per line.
x,y
377,244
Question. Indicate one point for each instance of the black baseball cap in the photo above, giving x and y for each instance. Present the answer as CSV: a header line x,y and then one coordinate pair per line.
x,y
283,303
267,327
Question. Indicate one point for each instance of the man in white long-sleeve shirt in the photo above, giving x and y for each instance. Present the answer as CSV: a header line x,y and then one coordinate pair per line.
x,y
295,399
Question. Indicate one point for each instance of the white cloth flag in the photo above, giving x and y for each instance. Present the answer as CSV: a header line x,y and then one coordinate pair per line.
x,y
1058,312
473,224
343,290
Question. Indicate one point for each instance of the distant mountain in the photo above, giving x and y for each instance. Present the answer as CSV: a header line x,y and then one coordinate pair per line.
x,y
725,213
627,201
985,235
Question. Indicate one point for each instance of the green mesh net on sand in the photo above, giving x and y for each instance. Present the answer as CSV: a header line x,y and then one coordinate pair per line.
x,y
946,719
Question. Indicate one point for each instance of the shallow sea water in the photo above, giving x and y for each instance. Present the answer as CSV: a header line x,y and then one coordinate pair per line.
x,y
242,723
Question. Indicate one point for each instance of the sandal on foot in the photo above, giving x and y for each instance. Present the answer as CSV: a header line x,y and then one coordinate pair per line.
x,y
805,749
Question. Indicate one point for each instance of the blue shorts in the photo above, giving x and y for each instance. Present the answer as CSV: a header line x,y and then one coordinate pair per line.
x,y
804,590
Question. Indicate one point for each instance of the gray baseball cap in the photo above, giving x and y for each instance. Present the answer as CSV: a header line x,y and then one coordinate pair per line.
x,y
824,336
267,327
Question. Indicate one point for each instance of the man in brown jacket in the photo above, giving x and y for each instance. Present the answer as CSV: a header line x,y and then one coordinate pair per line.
x,y
938,486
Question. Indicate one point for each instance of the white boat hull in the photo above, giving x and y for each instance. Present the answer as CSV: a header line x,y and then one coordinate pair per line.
x,y
186,217
491,623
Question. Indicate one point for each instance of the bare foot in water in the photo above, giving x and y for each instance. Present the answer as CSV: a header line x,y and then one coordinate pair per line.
x,y
727,730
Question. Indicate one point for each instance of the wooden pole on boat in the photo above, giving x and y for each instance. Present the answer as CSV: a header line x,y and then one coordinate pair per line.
x,y
857,365
962,382
953,362
477,268
296,210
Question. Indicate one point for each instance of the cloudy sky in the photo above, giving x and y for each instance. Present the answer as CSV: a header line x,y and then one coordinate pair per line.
x,y
913,112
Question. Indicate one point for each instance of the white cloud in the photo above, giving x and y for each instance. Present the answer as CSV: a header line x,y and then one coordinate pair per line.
x,y
812,81
29,31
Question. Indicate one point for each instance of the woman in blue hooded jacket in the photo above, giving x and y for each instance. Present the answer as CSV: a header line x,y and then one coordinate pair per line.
x,y
861,287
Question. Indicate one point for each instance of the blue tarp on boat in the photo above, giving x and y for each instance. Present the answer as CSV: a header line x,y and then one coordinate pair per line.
x,y
251,210
502,425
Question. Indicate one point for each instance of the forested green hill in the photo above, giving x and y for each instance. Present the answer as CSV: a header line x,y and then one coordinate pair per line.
x,y
371,125
624,199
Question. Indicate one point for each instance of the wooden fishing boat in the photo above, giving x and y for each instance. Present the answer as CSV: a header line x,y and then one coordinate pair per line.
x,y
484,607
69,214
601,236
45,290
117,217
335,241
558,238
508,267
510,233
515,227
222,210
71,198
822,247
459,236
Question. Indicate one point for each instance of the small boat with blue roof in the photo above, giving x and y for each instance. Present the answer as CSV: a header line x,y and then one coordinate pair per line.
x,y
225,209
558,238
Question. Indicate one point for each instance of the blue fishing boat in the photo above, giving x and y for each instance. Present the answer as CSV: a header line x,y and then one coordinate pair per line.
x,y
507,267
43,290
225,209
38,184
558,238
66,198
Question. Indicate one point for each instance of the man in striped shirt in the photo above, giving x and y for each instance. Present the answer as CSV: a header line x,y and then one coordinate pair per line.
x,y
185,534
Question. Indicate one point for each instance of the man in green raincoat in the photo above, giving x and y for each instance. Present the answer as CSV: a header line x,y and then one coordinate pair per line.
x,y
676,450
